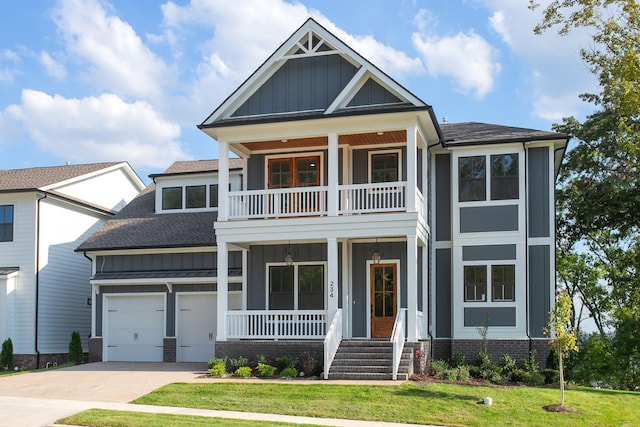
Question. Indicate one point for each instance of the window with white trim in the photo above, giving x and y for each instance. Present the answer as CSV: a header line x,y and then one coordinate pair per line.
x,y
503,177
296,287
475,283
503,282
384,166
502,278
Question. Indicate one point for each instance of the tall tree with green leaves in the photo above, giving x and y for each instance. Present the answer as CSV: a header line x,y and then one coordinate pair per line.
x,y
599,196
562,335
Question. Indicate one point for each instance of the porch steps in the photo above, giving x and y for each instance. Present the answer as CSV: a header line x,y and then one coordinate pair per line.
x,y
368,360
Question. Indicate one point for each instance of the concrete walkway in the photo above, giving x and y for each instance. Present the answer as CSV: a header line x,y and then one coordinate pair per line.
x,y
41,398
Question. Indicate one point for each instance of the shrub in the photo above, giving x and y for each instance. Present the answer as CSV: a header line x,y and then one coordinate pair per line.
x,y
450,374
284,362
462,373
75,349
537,379
240,362
265,370
243,371
261,358
521,376
551,376
6,356
531,364
308,363
217,361
458,359
218,370
438,367
508,365
289,373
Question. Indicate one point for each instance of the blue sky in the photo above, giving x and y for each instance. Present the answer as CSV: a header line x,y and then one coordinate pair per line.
x,y
91,81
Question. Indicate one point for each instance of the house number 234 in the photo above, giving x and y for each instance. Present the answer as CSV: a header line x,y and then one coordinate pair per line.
x,y
331,289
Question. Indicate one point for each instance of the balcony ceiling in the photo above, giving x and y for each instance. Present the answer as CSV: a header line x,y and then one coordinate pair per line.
x,y
358,139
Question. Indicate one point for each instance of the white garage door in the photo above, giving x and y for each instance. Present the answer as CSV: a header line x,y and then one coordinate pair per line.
x,y
196,337
134,328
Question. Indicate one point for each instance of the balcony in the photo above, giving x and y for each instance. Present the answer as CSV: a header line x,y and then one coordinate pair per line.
x,y
313,201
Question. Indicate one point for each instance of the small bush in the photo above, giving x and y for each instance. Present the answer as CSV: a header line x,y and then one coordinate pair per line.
x,y
458,359
508,365
76,355
240,362
483,359
551,376
308,363
463,373
450,374
289,373
217,361
438,367
531,364
265,370
284,362
521,376
243,372
261,358
218,370
6,356
537,379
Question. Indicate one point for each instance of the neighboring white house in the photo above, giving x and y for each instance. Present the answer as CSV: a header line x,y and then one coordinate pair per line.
x,y
45,213
349,216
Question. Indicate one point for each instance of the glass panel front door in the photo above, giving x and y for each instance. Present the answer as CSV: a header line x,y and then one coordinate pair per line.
x,y
384,289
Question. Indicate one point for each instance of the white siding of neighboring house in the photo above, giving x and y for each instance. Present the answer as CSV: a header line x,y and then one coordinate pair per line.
x,y
111,189
21,253
64,275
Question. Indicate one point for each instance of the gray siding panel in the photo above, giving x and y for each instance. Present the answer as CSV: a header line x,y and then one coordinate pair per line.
x,y
255,172
488,252
489,218
443,293
301,84
361,165
498,316
372,93
443,197
196,261
539,288
539,197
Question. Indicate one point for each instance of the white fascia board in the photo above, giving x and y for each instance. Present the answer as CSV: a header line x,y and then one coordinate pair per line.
x,y
149,251
124,165
162,281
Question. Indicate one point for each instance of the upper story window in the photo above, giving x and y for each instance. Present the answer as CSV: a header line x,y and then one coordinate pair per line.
x,y
6,223
171,198
196,196
213,196
385,167
290,172
503,176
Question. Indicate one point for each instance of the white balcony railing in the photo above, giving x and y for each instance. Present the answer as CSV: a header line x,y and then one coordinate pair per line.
x,y
279,324
312,201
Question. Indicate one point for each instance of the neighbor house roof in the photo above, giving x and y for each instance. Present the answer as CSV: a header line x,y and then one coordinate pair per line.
x,y
473,133
39,177
197,166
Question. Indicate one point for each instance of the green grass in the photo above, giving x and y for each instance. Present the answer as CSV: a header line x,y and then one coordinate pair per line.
x,y
107,418
444,404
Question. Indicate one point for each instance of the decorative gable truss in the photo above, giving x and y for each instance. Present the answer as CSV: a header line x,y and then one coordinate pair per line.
x,y
312,73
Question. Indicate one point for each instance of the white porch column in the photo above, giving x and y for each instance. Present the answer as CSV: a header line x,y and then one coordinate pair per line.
x,y
223,180
412,170
332,278
412,287
424,161
223,287
426,312
332,178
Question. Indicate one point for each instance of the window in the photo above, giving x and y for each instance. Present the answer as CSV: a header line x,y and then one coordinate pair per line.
x,y
475,283
213,196
171,198
196,196
6,223
385,167
292,172
503,280
472,178
296,287
504,177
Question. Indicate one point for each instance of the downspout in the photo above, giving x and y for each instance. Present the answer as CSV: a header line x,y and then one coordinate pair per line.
x,y
526,247
38,276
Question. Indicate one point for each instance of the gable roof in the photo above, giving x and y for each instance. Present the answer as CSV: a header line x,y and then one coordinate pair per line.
x,y
313,74
39,178
189,167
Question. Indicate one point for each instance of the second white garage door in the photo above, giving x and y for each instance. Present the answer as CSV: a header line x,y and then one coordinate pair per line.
x,y
196,331
134,326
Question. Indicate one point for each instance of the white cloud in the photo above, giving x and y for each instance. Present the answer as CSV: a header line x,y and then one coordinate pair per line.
x,y
54,68
467,58
98,128
118,60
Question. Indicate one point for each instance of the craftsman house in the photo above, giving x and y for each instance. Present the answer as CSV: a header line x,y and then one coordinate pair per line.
x,y
347,219
45,213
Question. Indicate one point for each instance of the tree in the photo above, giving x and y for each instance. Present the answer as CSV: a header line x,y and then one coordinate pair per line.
x,y
599,195
562,335
75,348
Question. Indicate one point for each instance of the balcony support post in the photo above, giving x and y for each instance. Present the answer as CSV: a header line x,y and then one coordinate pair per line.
x,y
223,180
412,287
332,178
412,169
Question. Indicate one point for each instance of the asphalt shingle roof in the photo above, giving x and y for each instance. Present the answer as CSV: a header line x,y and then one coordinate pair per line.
x,y
470,133
35,178
198,166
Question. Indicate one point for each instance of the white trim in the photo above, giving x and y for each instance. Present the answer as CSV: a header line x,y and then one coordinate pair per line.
x,y
368,264
163,281
370,154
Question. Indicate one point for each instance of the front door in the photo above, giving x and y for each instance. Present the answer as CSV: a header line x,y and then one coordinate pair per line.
x,y
293,172
384,290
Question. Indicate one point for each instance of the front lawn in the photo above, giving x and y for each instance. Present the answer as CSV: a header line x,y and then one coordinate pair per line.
x,y
437,403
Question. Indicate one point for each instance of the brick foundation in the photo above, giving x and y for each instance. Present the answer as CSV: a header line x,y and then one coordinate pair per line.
x,y
169,349
270,349
441,349
30,361
95,350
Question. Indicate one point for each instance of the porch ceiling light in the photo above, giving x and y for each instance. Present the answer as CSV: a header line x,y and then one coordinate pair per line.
x,y
375,253
288,256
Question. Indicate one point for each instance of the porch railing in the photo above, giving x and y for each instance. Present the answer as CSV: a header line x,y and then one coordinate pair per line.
x,y
397,338
332,341
281,324
367,198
